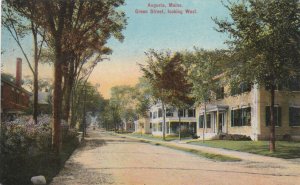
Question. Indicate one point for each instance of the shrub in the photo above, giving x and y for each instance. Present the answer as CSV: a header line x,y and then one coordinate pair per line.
x,y
287,137
26,151
234,137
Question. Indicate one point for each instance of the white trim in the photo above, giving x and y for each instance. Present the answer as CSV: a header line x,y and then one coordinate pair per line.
x,y
295,106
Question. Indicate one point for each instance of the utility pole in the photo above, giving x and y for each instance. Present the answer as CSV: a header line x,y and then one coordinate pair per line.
x,y
84,116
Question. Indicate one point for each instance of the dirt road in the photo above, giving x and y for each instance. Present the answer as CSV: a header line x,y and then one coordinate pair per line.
x,y
107,159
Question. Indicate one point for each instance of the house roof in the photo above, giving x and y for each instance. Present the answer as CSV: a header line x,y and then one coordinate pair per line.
x,y
11,81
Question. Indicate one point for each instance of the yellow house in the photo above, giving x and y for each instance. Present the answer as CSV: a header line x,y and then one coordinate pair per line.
x,y
245,110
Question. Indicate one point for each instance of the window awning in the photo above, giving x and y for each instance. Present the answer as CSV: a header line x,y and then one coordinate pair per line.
x,y
214,108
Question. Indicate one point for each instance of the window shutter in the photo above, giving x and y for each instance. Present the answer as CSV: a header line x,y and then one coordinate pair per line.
x,y
267,115
291,115
279,116
240,117
232,118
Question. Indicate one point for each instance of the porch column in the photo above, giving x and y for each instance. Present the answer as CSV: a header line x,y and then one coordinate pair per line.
x,y
217,122
169,127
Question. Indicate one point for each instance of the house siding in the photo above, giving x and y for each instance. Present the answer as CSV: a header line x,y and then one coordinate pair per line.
x,y
257,99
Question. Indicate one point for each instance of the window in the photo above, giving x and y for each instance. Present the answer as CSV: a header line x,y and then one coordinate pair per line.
x,y
154,127
294,84
191,113
181,113
201,121
160,113
208,121
246,116
150,125
241,117
220,93
154,115
169,113
150,114
236,117
242,88
294,116
160,126
277,116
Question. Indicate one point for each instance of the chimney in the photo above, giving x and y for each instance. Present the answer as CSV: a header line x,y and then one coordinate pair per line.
x,y
19,72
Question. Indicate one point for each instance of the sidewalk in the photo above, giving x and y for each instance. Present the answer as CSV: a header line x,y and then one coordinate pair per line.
x,y
248,157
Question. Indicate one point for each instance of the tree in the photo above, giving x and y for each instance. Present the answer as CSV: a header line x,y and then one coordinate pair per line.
x,y
68,23
160,70
123,101
178,87
203,66
264,40
19,27
143,96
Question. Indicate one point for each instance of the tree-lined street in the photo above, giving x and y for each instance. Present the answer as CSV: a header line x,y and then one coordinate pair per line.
x,y
109,159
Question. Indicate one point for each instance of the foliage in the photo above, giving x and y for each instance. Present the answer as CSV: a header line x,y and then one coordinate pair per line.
x,y
166,75
203,67
264,37
73,28
86,95
43,83
26,151
123,102
20,26
235,137
143,96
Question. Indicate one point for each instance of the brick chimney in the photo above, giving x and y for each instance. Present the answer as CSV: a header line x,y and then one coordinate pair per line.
x,y
19,72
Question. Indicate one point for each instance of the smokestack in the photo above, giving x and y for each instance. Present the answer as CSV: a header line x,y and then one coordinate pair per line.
x,y
19,72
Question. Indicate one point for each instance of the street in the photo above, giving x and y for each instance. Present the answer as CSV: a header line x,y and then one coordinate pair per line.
x,y
108,159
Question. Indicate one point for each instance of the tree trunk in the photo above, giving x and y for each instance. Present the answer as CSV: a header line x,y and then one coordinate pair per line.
x,y
35,74
57,101
68,91
204,123
272,128
179,126
164,121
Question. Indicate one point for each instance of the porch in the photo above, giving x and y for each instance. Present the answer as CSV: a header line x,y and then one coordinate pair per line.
x,y
216,123
172,128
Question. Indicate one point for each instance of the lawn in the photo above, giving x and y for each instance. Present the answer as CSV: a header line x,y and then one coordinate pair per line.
x,y
155,141
151,137
284,149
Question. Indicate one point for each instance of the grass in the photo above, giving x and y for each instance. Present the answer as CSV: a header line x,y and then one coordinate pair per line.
x,y
215,157
156,138
284,149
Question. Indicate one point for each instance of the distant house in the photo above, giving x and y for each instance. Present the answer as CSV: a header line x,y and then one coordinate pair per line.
x,y
127,126
245,110
142,125
188,120
14,99
44,99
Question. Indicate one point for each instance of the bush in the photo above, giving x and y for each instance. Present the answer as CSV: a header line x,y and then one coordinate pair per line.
x,y
234,137
26,152
287,137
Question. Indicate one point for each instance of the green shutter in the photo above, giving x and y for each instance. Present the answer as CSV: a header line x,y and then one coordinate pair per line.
x,y
291,116
267,115
279,116
232,118
240,118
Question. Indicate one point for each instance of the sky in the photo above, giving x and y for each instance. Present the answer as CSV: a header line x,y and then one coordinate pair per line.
x,y
168,31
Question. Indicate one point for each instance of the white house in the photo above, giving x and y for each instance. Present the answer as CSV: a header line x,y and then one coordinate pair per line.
x,y
187,116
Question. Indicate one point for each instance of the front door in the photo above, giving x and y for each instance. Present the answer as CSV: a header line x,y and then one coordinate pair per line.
x,y
222,123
